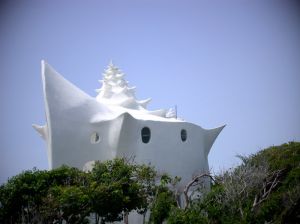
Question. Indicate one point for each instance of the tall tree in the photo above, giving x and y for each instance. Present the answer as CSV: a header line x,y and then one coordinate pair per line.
x,y
118,187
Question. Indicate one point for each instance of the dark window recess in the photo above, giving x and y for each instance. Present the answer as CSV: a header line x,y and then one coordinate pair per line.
x,y
183,135
146,134
95,138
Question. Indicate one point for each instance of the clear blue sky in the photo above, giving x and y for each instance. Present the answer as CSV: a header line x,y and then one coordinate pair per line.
x,y
234,63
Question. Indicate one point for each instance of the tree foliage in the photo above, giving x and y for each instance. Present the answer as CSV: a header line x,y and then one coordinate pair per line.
x,y
265,188
117,187
68,195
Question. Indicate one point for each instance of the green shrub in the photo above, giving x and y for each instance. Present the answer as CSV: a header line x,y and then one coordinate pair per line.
x,y
264,188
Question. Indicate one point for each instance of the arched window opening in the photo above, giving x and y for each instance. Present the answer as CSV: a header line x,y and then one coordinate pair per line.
x,y
183,135
146,134
95,138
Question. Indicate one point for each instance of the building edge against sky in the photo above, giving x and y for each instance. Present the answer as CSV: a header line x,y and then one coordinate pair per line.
x,y
80,129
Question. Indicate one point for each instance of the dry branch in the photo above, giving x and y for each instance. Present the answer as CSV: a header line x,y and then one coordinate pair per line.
x,y
269,185
192,183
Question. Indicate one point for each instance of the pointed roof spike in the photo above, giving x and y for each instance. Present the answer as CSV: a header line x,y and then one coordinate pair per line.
x,y
211,136
144,103
131,88
120,75
41,129
112,66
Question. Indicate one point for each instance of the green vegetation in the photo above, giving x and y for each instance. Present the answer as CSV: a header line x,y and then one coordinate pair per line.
x,y
67,195
265,188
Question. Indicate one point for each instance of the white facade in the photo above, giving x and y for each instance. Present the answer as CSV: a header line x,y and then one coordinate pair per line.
x,y
80,128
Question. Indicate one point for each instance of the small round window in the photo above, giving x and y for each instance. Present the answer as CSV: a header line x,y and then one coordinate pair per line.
x,y
183,135
146,134
95,138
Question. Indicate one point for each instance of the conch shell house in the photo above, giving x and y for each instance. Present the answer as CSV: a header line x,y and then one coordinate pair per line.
x,y
80,129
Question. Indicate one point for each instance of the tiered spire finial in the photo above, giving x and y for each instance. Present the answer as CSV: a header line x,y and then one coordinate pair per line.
x,y
115,90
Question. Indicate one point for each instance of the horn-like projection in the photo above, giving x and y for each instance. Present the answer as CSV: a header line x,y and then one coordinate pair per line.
x,y
210,137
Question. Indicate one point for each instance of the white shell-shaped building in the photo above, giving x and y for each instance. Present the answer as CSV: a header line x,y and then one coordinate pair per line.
x,y
80,129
